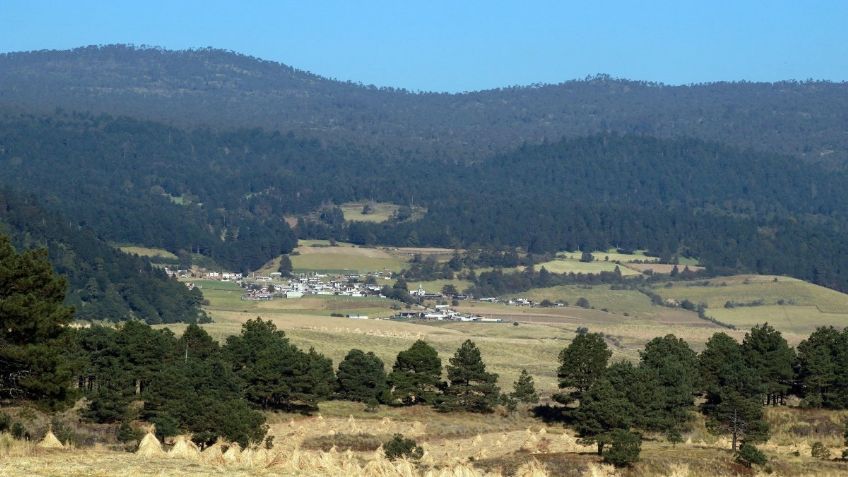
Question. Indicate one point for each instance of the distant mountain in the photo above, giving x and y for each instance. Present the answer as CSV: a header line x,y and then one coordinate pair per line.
x,y
103,283
223,89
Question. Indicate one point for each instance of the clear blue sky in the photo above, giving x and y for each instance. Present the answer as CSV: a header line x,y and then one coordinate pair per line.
x,y
467,45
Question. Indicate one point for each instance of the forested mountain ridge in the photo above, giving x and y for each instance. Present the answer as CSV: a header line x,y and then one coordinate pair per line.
x,y
226,194
223,89
103,283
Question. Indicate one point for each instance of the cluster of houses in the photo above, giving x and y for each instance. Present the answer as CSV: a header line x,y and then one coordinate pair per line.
x,y
204,275
303,285
274,286
443,313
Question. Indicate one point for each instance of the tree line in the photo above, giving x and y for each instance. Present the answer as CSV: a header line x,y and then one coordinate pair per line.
x,y
192,384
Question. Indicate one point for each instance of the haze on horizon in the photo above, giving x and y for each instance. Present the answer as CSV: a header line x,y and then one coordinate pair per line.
x,y
440,46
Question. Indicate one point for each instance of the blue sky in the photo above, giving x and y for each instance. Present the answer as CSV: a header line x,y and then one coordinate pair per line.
x,y
468,45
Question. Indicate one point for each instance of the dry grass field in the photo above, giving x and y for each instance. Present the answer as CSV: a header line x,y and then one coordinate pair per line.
x,y
343,439
318,257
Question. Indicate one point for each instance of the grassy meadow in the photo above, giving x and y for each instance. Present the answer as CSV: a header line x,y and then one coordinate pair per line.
x,y
147,251
611,255
793,306
315,256
382,211
570,265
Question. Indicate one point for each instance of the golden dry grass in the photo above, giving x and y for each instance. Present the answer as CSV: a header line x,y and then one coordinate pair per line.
x,y
456,444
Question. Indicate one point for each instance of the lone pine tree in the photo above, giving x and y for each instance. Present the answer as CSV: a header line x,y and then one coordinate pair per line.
x,y
470,387
416,375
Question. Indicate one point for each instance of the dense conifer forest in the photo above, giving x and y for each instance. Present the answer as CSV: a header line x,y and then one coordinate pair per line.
x,y
226,194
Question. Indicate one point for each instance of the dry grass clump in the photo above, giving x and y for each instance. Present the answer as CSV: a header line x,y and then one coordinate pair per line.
x,y
11,447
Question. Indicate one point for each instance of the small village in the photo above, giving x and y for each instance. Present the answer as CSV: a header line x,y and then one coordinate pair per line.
x,y
430,307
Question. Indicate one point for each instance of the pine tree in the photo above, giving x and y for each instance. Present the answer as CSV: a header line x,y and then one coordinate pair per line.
x,y
285,267
470,387
823,368
33,319
524,390
197,343
416,374
734,392
770,357
362,377
604,408
624,448
277,374
669,370
583,362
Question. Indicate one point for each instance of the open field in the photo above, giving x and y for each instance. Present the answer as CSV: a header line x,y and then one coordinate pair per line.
x,y
567,265
507,349
664,268
600,297
612,256
382,211
147,251
343,258
435,286
343,439
791,305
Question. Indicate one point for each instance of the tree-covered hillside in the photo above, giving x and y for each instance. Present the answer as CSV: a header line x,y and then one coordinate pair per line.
x,y
103,283
226,194
224,89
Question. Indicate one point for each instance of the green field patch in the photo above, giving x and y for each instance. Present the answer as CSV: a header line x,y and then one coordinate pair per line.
x,y
149,252
380,211
796,319
769,290
317,257
564,265
435,286
599,296
611,255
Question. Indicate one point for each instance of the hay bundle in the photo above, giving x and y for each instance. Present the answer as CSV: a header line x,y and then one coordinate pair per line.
x,y
405,468
258,457
678,470
150,446
458,470
233,454
184,448
379,453
601,470
50,441
531,469
213,454
531,443
418,427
